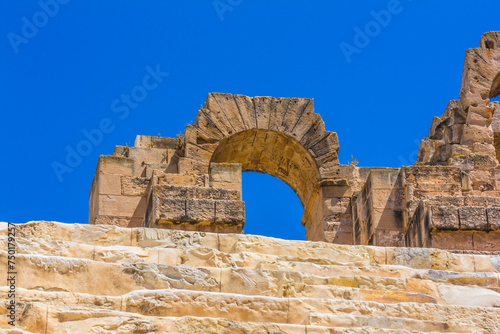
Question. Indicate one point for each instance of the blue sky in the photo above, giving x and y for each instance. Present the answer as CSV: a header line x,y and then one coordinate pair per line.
x,y
61,72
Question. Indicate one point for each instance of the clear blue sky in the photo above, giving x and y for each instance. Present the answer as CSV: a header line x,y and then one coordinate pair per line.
x,y
61,73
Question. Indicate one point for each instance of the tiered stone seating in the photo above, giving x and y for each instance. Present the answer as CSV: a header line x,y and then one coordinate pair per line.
x,y
75,278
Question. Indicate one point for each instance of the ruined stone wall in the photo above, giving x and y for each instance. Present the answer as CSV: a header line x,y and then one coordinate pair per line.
x,y
194,182
149,262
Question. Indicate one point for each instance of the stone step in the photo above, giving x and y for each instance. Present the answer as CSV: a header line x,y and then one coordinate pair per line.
x,y
192,256
127,261
78,275
14,330
146,238
257,309
88,320
77,278
391,323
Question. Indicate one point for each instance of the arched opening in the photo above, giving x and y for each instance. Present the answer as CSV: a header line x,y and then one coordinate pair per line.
x,y
276,154
273,153
271,208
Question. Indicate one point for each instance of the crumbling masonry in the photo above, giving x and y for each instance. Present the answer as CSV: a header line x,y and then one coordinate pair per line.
x,y
450,199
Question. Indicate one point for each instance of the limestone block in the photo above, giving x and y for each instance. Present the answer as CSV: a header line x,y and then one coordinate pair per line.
x,y
168,209
439,124
385,178
487,241
454,134
482,180
484,148
475,133
156,142
388,219
226,185
109,184
185,180
150,155
149,237
116,165
484,201
388,238
161,168
217,116
432,174
225,172
473,218
336,205
197,153
182,192
120,206
436,189
118,221
134,186
456,201
200,210
452,240
457,115
476,117
484,111
227,104
190,166
483,161
327,149
442,154
426,152
336,191
444,218
469,296
230,212
230,306
464,161
388,198
493,215
339,237
483,263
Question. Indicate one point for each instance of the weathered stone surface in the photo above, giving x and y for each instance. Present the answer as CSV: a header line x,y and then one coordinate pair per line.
x,y
134,186
82,278
493,218
445,218
419,206
473,218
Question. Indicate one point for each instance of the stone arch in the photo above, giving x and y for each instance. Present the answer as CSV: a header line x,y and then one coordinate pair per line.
x,y
274,153
282,137
224,115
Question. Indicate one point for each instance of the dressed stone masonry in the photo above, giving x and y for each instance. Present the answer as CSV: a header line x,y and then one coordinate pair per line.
x,y
74,278
152,259
450,199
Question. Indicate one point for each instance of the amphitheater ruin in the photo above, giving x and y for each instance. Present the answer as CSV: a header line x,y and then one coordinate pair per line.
x,y
414,249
